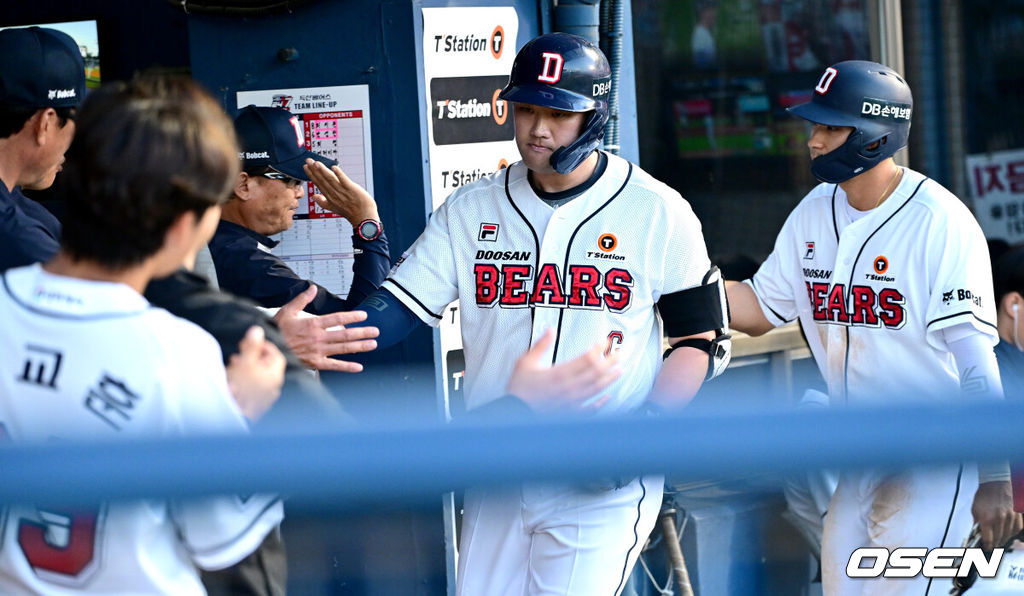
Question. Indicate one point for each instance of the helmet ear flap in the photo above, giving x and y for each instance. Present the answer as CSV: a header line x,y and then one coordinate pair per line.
x,y
568,158
874,147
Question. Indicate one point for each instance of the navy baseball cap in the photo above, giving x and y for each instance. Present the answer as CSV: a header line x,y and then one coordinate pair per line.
x,y
40,68
273,137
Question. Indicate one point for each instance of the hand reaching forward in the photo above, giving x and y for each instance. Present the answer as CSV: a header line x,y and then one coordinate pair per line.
x,y
340,194
566,386
315,338
255,374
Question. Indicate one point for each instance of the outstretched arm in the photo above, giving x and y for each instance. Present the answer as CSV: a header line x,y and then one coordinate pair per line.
x,y
315,339
746,313
392,318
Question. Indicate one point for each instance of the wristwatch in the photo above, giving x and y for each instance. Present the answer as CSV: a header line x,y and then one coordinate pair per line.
x,y
369,229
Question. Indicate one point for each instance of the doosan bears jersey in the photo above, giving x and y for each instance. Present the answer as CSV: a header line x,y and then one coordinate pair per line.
x,y
879,290
87,359
592,269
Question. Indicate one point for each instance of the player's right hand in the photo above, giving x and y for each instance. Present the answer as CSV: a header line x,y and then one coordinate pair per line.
x,y
340,194
314,339
255,374
565,387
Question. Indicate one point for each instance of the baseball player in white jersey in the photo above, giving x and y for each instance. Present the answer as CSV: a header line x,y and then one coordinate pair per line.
x,y
888,272
86,356
588,245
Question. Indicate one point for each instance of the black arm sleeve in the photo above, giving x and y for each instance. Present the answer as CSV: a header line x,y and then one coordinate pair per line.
x,y
369,268
385,312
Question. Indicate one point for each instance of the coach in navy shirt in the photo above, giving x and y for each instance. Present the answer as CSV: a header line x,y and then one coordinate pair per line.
x,y
264,200
42,81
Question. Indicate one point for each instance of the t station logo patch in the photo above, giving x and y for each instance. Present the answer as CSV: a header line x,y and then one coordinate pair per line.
x,y
467,110
881,265
606,245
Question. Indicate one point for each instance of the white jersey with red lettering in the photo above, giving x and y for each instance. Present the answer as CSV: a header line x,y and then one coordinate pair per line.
x,y
880,290
592,269
86,359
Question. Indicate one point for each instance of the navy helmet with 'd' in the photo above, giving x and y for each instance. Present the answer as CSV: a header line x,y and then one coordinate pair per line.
x,y
874,100
564,72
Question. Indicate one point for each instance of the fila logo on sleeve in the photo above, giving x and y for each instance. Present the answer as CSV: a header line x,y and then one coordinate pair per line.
x,y
488,232
552,72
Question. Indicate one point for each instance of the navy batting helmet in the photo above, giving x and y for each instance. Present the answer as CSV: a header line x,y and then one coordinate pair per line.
x,y
875,101
564,72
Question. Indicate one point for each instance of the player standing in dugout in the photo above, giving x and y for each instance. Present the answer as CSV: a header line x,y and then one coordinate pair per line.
x,y
570,253
888,272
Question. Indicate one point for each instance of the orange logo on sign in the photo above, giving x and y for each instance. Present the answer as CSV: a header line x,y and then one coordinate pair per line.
x,y
497,42
607,242
499,108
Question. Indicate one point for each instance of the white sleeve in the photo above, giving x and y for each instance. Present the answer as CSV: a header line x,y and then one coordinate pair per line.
x,y
686,256
217,531
771,286
978,368
961,273
424,279
221,531
975,361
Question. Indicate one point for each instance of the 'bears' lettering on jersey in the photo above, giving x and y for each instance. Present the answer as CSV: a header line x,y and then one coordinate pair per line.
x,y
861,306
583,287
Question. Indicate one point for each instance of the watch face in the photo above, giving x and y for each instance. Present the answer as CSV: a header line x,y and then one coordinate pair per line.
x,y
369,230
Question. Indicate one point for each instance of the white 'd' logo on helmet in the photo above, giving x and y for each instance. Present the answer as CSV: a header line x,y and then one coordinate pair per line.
x,y
552,72
826,80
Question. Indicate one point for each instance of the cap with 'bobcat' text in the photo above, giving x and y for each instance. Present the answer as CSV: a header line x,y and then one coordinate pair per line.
x,y
40,68
274,137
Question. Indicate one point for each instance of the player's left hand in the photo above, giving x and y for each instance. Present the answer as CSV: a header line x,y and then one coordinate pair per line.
x,y
994,514
255,374
314,339
564,387
340,194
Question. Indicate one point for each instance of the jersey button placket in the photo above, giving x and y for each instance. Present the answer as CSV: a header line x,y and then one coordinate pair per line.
x,y
551,252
